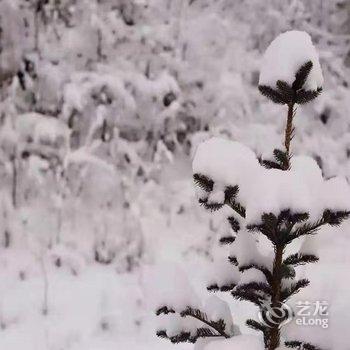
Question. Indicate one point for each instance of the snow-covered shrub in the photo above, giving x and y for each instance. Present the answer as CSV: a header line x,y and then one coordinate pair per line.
x,y
276,202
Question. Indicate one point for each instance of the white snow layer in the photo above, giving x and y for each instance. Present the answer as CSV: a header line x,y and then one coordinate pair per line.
x,y
302,189
169,286
239,342
285,55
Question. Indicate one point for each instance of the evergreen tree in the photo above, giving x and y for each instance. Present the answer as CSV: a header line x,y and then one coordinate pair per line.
x,y
281,228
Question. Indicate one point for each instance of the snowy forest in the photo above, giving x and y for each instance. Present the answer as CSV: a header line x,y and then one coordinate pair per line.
x,y
117,117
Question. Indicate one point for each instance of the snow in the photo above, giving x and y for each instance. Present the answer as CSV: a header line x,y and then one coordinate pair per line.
x,y
218,309
246,250
225,161
285,55
262,190
168,286
240,342
221,272
143,211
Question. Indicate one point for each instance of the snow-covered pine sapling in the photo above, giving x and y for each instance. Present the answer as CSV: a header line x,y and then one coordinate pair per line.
x,y
276,201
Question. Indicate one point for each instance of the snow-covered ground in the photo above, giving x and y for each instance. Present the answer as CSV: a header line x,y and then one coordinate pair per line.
x,y
102,106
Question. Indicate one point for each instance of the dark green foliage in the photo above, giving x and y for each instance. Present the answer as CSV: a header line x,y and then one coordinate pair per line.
x,y
294,288
203,182
279,230
286,91
219,326
263,269
233,260
256,325
335,218
164,310
301,76
178,338
287,271
305,96
272,94
300,345
259,287
230,194
211,206
332,218
290,95
212,329
207,185
281,160
184,336
248,295
227,239
238,208
233,223
223,288
300,259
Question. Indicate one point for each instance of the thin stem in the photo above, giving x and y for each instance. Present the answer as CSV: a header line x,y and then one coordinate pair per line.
x,y
276,295
289,133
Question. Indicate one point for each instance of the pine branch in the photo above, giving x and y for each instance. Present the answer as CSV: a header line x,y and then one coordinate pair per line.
x,y
230,199
301,76
182,337
206,333
257,326
248,295
219,326
305,96
300,345
223,288
233,260
270,164
267,227
260,327
281,161
281,157
300,259
272,94
227,240
185,336
234,224
335,218
263,269
290,95
328,218
211,206
294,289
203,182
230,194
286,91
259,287
287,271
238,208
164,310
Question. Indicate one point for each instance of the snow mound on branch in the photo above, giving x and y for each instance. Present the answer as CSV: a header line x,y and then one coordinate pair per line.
x,y
261,190
239,342
285,55
221,272
217,309
168,285
219,159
